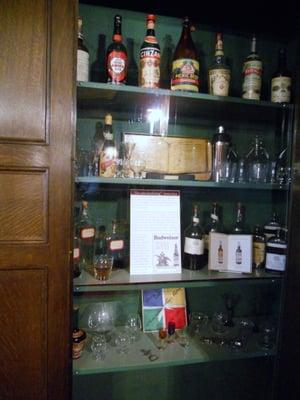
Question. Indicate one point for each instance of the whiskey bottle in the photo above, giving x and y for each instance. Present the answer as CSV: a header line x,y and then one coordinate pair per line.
x,y
276,250
271,227
259,248
281,80
85,230
115,245
185,66
239,226
116,56
193,256
82,56
78,336
219,73
149,72
108,153
252,74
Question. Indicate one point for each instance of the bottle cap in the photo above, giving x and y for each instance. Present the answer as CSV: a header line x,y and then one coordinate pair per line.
x,y
108,119
151,17
221,129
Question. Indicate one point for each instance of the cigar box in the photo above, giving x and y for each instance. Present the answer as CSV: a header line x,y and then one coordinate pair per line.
x,y
172,155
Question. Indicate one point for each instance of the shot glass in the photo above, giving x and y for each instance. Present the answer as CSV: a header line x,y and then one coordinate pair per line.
x,y
102,267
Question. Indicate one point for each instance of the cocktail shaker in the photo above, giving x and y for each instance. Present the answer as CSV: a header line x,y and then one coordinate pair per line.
x,y
221,143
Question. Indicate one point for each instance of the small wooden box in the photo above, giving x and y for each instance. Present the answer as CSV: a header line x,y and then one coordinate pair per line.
x,y
173,155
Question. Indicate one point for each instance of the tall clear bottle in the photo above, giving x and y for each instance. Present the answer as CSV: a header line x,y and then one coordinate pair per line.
x,y
219,73
85,230
149,71
108,153
257,162
252,74
82,56
193,256
281,80
185,66
221,143
116,55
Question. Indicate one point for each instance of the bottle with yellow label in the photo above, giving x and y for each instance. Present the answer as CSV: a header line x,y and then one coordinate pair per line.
x,y
185,66
219,73
108,153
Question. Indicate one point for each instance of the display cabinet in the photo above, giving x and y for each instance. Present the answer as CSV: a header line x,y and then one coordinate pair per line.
x,y
208,368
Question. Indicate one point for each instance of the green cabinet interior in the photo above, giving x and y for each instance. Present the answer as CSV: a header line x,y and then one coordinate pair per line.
x,y
196,115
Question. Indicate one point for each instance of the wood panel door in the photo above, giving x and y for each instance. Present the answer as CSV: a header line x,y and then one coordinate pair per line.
x,y
37,115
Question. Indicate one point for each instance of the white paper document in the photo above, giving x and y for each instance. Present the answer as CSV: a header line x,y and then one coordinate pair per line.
x,y
155,245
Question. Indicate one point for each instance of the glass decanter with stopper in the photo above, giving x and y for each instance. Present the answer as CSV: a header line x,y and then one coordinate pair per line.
x,y
257,162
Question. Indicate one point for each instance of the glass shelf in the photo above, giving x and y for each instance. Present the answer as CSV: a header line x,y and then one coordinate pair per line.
x,y
91,96
122,280
180,183
173,355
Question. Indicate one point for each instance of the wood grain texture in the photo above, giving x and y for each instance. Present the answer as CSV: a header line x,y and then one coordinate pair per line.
x,y
23,72
23,310
24,206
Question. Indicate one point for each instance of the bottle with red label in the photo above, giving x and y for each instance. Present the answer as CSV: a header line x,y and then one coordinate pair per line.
x,y
149,72
115,245
252,73
85,231
116,56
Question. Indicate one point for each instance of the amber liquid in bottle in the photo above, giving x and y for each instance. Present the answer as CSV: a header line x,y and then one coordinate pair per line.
x,y
185,66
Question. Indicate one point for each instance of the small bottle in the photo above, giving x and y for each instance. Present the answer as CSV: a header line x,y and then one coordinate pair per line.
x,y
239,226
238,254
108,153
116,56
219,73
221,143
176,256
193,256
149,72
276,250
115,245
271,227
252,74
220,253
78,336
85,230
82,56
185,66
76,257
281,80
257,162
259,248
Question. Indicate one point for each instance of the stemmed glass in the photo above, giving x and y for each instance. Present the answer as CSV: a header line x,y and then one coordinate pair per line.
x,y
137,166
133,326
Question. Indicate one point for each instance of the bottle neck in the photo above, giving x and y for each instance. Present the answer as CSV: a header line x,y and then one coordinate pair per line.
x,y
107,132
117,35
219,51
253,45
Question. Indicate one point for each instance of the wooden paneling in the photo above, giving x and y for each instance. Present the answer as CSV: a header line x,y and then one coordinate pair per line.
x,y
23,70
24,203
23,310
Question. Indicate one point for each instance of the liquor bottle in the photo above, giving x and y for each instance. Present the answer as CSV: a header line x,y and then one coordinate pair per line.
x,y
149,72
175,256
276,250
220,253
108,153
239,226
214,225
78,336
85,230
238,254
219,73
257,162
185,66
76,257
193,256
115,245
100,241
271,227
116,56
82,56
252,74
221,143
259,248
281,80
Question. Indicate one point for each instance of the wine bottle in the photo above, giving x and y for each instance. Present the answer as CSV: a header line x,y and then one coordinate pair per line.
x,y
85,230
239,226
193,256
82,56
108,153
149,72
281,80
116,55
252,74
185,66
219,73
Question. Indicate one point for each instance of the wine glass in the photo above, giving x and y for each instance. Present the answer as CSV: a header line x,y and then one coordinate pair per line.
x,y
137,166
133,325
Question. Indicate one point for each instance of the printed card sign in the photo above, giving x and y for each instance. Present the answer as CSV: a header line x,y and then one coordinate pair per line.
x,y
161,306
231,253
155,244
